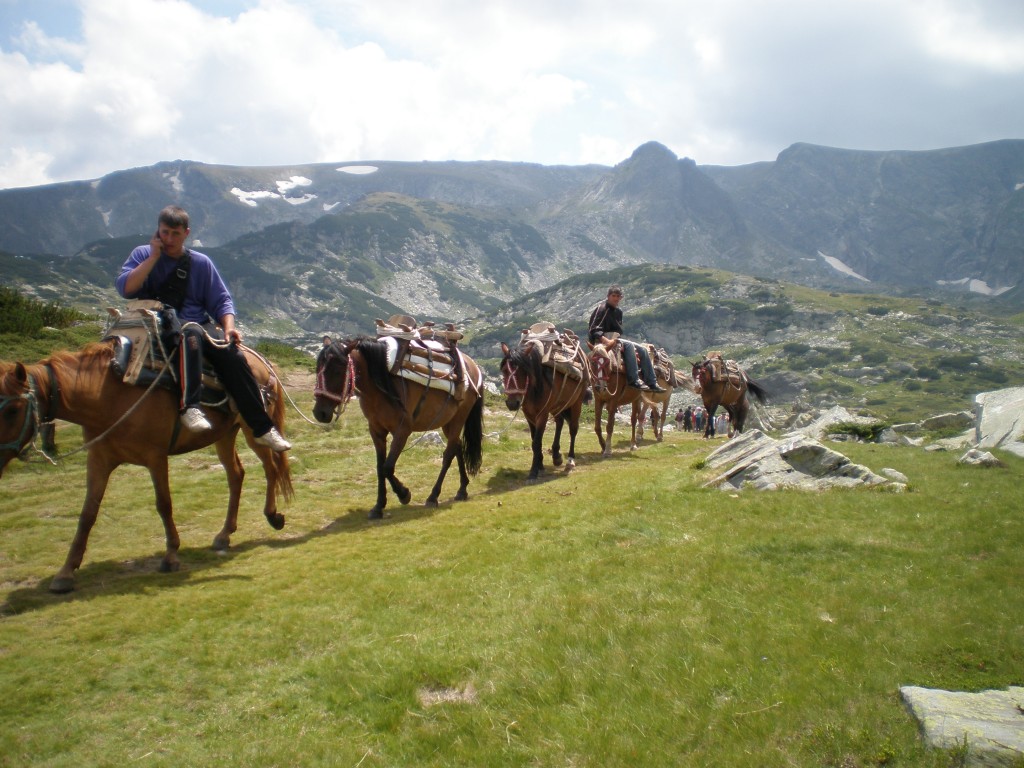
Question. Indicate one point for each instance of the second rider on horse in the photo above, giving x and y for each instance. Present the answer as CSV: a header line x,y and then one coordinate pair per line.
x,y
606,318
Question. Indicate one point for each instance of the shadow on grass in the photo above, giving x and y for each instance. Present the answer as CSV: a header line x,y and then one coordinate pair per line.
x,y
115,577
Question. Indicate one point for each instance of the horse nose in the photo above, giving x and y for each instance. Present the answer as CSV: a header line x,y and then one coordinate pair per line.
x,y
512,403
321,414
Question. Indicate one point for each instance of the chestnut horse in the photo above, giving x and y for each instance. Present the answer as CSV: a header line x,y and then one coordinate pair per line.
x,y
398,407
729,390
131,425
656,403
611,391
541,391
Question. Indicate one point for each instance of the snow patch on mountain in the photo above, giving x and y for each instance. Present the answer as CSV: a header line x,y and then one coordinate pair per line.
x,y
975,285
839,266
284,186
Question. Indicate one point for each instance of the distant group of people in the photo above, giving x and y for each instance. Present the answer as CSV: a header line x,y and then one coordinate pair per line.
x,y
693,419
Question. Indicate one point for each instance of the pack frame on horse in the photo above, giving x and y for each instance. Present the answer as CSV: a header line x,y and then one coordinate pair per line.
x,y
723,383
544,391
128,424
397,407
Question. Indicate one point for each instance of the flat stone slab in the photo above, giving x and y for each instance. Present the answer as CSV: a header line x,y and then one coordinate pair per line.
x,y
796,461
990,722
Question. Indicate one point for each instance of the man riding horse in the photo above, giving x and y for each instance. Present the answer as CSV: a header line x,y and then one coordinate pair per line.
x,y
605,319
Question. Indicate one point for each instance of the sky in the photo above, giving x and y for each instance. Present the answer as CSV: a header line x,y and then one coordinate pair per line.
x,y
88,87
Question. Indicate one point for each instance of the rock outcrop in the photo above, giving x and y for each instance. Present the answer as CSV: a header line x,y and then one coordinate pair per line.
x,y
795,461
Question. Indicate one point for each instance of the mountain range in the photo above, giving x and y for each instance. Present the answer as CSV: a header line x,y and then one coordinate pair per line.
x,y
327,247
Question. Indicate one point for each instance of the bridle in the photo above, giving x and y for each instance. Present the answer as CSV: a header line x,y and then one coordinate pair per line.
x,y
29,427
348,386
511,380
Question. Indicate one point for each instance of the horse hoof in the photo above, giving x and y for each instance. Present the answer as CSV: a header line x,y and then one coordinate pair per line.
x,y
375,514
172,567
462,496
570,466
221,545
430,503
405,496
276,520
61,585
556,460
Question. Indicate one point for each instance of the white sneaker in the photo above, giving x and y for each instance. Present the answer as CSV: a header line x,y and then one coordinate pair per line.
x,y
194,421
273,440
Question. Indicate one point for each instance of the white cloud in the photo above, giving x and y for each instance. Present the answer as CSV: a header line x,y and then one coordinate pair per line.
x,y
280,82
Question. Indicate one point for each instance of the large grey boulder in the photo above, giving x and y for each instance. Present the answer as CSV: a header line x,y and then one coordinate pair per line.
x,y
990,724
796,461
999,420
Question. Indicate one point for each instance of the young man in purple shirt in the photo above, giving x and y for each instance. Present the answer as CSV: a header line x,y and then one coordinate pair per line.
x,y
149,273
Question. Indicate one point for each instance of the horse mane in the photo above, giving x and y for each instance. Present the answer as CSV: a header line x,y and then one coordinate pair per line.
x,y
93,359
528,358
374,352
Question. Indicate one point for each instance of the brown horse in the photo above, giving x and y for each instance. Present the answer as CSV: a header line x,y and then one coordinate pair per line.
x,y
728,388
542,391
611,391
398,407
131,425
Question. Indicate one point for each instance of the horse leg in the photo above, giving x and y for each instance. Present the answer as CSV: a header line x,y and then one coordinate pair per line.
x,y
709,420
97,475
236,474
556,443
598,407
379,445
607,444
161,484
574,426
537,444
452,450
634,418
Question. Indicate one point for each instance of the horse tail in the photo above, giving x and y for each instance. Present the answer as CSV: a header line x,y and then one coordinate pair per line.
x,y
284,473
758,391
473,437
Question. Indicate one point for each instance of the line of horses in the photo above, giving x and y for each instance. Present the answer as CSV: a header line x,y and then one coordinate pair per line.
x,y
126,424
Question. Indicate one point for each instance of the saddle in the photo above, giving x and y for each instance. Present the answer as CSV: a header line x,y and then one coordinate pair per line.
x,y
608,361
141,354
560,351
425,354
721,369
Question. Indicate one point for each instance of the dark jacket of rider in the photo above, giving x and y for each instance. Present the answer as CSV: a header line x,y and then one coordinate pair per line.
x,y
604,319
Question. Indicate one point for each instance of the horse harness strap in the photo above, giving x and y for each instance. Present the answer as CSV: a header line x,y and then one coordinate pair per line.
x,y
174,289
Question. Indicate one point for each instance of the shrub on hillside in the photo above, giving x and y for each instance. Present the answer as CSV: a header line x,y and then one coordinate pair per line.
x,y
25,315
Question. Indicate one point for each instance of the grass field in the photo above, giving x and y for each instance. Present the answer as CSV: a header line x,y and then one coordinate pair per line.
x,y
621,615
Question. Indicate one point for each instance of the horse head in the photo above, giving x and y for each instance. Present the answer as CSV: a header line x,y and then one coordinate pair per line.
x,y
18,413
515,376
335,381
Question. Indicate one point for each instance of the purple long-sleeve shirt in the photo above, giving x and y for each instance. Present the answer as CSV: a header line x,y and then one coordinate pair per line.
x,y
206,295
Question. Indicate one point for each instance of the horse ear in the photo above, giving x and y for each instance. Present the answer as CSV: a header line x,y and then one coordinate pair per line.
x,y
504,349
20,374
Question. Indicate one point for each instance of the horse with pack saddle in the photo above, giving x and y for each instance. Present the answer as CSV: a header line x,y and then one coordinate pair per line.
x,y
722,382
612,390
122,391
656,403
411,378
547,374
